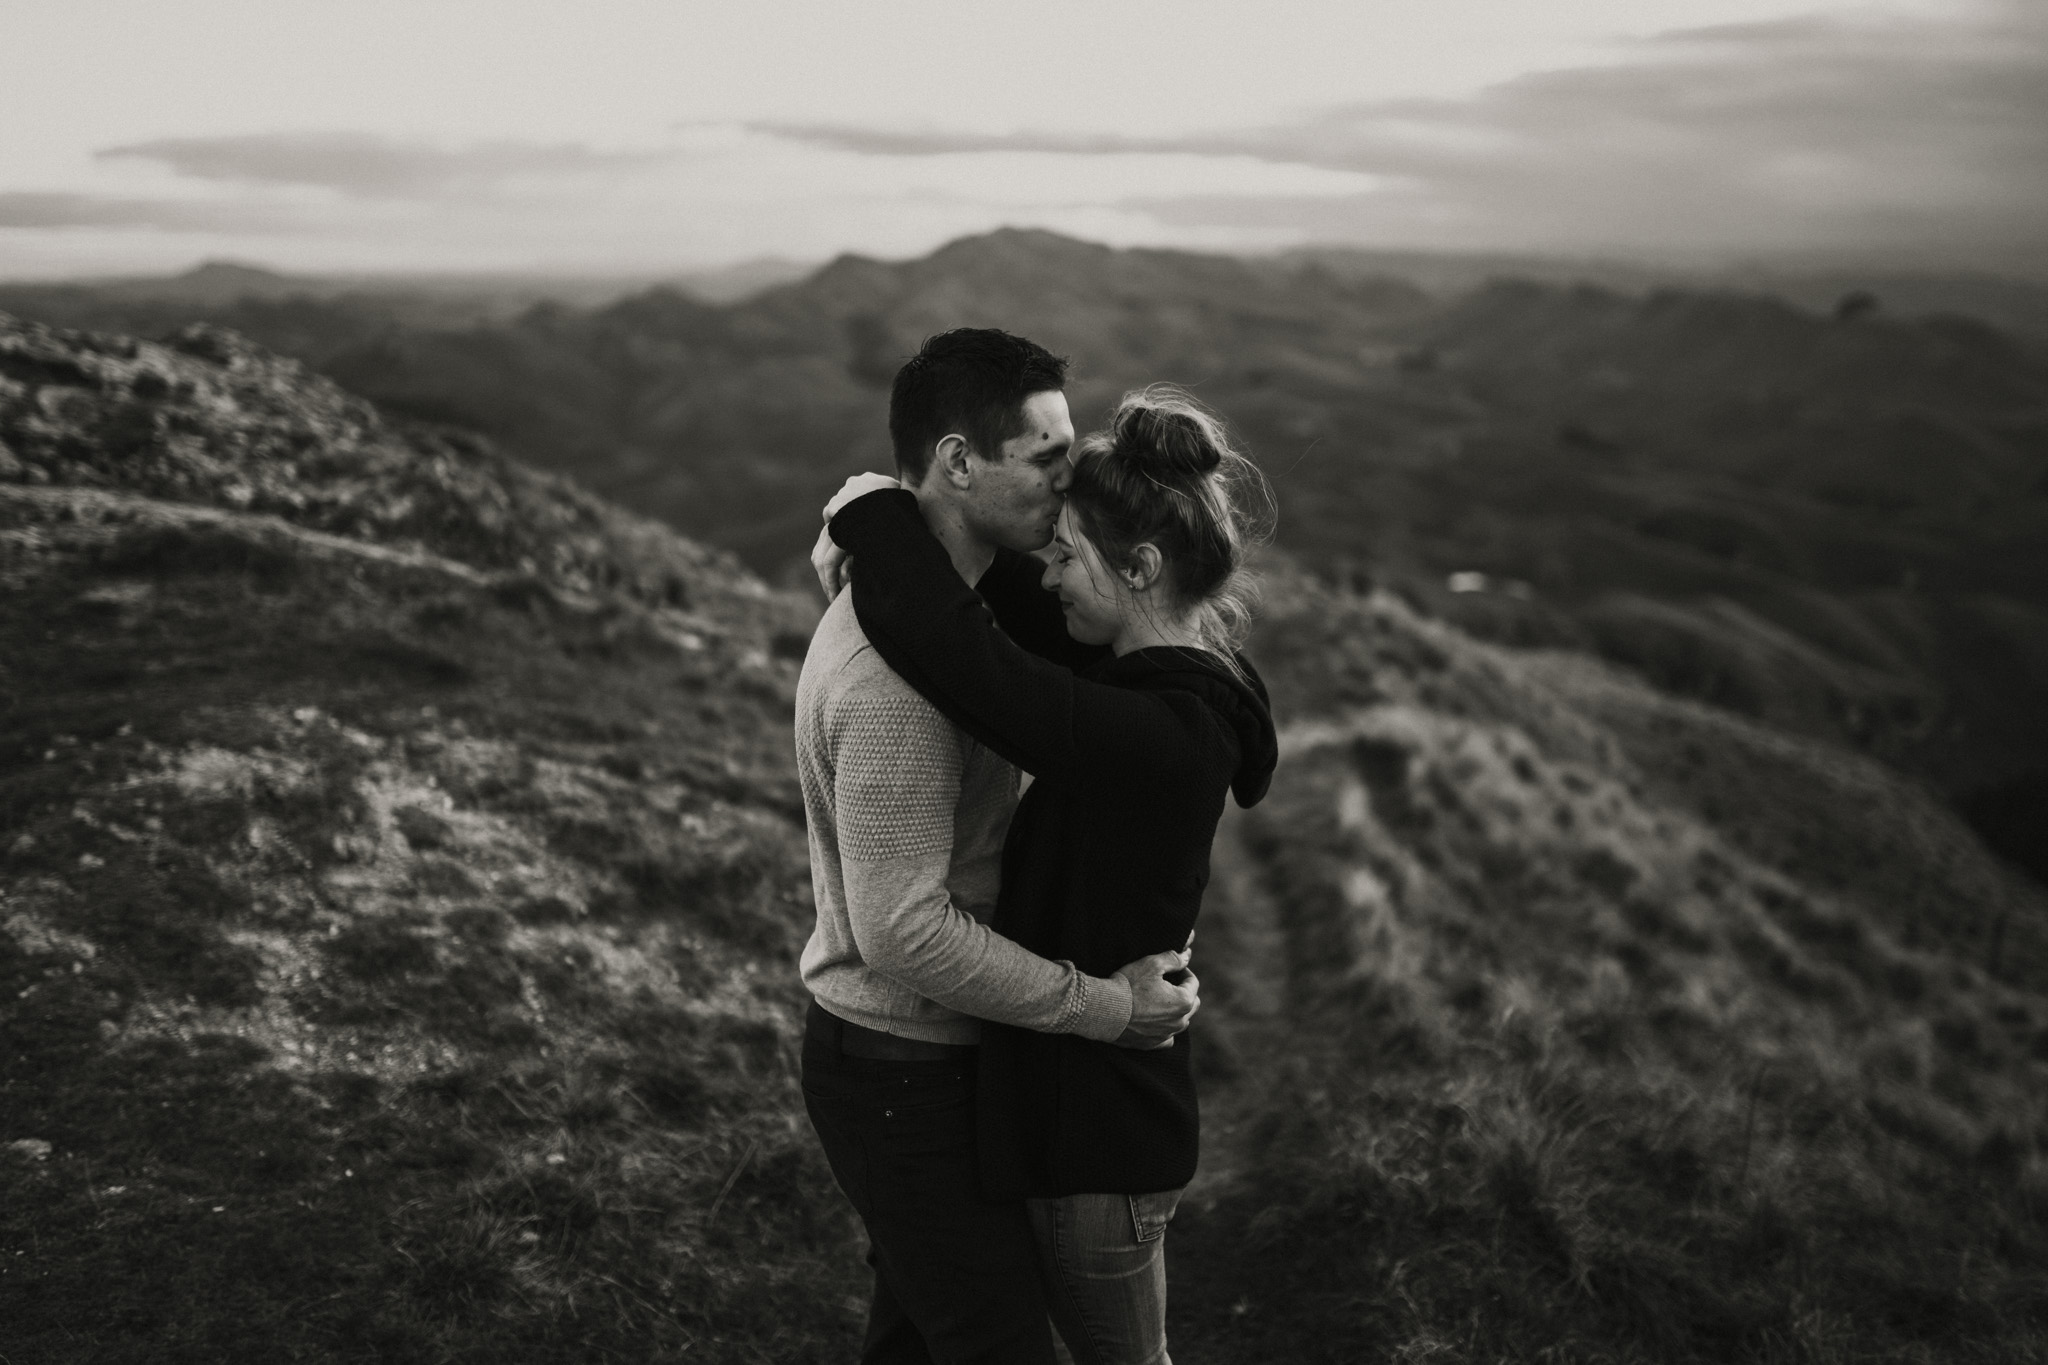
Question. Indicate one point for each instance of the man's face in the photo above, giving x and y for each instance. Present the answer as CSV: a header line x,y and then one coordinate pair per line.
x,y
1016,499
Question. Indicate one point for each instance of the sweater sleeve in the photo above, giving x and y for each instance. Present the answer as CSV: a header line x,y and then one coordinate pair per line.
x,y
1030,615
935,631
897,783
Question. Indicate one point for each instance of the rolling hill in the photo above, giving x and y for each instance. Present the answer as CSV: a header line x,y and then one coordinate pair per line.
x,y
1834,524
402,874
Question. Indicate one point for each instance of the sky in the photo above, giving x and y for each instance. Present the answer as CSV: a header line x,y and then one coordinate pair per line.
x,y
640,137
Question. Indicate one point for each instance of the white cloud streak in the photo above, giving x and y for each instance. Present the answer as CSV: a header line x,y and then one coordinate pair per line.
x,y
367,166
61,212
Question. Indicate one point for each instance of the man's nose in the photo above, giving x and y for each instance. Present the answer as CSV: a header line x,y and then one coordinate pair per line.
x,y
1062,476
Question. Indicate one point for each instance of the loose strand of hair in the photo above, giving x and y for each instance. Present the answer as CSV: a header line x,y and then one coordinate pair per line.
x,y
1218,514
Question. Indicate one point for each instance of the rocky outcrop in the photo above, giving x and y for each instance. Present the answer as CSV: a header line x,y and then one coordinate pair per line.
x,y
205,419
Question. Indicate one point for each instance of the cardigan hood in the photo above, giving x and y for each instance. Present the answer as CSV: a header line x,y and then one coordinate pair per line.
x,y
1241,702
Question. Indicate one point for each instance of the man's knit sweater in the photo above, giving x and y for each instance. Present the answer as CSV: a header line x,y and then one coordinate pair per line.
x,y
907,818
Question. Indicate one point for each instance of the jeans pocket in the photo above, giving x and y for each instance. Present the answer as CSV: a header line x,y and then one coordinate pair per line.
x,y
1150,1213
908,1095
923,1121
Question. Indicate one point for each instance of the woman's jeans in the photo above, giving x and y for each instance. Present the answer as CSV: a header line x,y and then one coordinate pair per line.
x,y
1104,1257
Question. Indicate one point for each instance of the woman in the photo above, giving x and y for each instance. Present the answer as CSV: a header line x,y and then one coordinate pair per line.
x,y
1115,684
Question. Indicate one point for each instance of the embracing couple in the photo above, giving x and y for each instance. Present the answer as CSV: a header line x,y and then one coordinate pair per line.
x,y
995,1061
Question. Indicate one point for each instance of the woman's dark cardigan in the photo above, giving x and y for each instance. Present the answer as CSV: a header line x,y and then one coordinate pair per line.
x,y
1108,852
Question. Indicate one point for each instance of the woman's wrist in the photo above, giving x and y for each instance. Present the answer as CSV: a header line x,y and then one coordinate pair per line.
x,y
859,486
868,515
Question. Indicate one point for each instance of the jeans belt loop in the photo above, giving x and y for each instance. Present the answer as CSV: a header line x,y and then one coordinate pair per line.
x,y
852,1040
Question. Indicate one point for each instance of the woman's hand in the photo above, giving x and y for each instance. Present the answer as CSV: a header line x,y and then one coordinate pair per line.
x,y
833,565
855,487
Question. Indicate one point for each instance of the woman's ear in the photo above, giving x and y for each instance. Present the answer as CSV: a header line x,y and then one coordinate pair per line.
x,y
1141,570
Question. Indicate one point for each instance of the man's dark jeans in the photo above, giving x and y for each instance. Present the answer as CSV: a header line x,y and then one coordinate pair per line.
x,y
956,1276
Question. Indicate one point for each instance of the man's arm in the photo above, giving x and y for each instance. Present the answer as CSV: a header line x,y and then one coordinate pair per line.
x,y
896,782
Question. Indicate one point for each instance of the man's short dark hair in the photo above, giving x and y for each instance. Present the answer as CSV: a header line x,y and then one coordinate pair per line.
x,y
971,381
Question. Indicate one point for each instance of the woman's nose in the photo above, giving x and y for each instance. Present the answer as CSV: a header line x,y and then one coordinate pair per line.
x,y
1050,579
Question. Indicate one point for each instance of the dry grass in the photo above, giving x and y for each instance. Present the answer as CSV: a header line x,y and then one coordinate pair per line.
x,y
1568,1069
401,878
401,871
397,992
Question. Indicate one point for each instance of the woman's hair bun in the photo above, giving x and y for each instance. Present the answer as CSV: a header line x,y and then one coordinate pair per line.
x,y
1167,436
1166,473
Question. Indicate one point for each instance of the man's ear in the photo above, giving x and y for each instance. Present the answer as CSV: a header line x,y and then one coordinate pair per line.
x,y
1141,570
949,457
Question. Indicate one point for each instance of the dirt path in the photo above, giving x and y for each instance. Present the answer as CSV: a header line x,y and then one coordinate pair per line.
x,y
1241,952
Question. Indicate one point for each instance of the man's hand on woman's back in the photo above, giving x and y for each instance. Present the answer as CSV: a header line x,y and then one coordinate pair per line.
x,y
1165,994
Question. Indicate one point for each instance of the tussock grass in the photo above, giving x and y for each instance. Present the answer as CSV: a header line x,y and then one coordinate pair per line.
x,y
1568,1069
371,1014
401,871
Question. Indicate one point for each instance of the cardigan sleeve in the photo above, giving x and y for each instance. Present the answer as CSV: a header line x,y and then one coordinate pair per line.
x,y
1030,615
939,635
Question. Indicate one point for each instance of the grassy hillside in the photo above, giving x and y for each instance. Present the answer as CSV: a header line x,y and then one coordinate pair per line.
x,y
401,868
1565,1021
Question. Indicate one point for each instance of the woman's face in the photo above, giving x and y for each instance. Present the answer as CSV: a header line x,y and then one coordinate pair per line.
x,y
1091,594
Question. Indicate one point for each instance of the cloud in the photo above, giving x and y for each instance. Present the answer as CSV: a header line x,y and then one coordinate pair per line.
x,y
1912,137
365,166
28,210
886,142
1915,142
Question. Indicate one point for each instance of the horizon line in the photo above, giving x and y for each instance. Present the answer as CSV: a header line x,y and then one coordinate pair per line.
x,y
1802,261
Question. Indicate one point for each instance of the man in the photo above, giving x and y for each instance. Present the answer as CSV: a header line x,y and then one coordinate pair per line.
x,y
907,817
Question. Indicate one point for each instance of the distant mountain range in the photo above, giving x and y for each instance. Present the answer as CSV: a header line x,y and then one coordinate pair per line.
x,y
1833,518
438,298
2019,305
